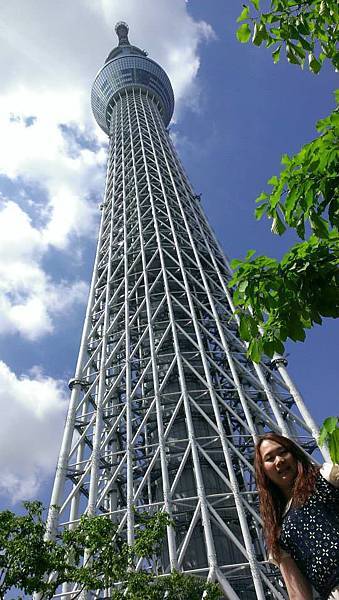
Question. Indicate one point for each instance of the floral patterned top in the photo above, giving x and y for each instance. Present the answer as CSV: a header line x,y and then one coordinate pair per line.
x,y
310,534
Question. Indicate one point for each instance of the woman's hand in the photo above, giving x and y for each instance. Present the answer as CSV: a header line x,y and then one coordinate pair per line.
x,y
297,586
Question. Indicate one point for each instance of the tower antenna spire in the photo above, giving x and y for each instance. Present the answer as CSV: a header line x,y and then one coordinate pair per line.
x,y
121,29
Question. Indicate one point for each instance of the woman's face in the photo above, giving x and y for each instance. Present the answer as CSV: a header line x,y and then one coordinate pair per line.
x,y
279,464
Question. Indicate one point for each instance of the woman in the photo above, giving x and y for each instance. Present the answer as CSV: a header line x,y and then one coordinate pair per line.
x,y
299,505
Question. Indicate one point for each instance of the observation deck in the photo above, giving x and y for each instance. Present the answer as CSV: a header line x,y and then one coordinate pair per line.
x,y
128,67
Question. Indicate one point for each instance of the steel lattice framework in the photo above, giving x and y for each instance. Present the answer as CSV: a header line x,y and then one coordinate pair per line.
x,y
165,406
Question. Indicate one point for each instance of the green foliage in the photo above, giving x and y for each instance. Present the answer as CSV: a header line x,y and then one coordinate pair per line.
x,y
329,433
279,300
31,564
24,556
304,29
185,587
176,586
151,533
307,190
243,33
287,297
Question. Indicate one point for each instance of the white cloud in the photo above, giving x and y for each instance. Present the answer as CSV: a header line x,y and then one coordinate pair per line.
x,y
39,154
32,408
29,298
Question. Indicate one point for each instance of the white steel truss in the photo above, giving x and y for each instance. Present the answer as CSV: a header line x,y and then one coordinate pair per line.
x,y
165,406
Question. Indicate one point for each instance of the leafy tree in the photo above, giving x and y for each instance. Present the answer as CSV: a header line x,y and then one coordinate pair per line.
x,y
25,557
304,29
329,433
280,300
307,190
287,297
30,564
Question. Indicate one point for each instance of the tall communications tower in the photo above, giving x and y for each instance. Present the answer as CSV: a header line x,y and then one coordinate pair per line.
x,y
165,406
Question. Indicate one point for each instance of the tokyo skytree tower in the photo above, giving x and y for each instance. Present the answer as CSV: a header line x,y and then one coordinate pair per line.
x,y
165,406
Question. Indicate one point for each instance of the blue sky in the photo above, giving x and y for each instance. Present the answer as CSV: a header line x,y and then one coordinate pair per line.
x,y
236,114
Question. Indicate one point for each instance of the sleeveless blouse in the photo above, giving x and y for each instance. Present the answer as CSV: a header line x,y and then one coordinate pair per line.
x,y
310,534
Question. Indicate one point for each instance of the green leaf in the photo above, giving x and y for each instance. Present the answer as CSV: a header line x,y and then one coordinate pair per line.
x,y
319,226
276,55
255,4
242,286
249,254
278,226
255,349
273,181
244,327
263,196
323,436
291,201
260,210
259,34
300,228
279,346
299,51
314,65
295,329
270,41
244,14
305,44
333,445
303,25
243,33
330,424
333,210
235,263
236,296
292,57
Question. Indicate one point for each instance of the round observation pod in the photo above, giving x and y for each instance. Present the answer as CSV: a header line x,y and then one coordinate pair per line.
x,y
129,67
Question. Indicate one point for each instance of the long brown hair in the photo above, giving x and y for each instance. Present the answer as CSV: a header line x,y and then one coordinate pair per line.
x,y
271,500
